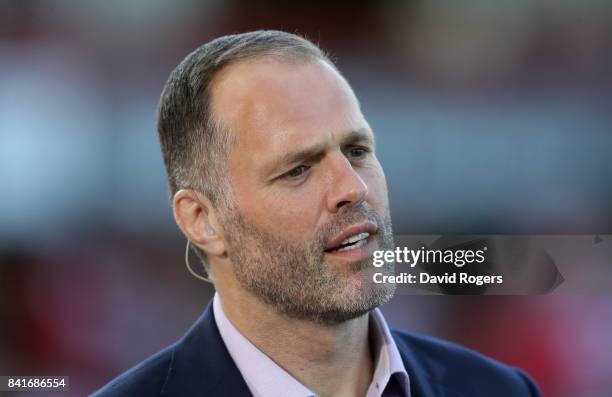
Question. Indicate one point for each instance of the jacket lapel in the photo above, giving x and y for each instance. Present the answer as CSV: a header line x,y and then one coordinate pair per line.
x,y
201,364
425,375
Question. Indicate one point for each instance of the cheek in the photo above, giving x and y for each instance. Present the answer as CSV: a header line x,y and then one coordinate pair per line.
x,y
374,177
290,216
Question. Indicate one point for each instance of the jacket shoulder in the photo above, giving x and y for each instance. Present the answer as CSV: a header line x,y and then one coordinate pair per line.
x,y
464,368
144,379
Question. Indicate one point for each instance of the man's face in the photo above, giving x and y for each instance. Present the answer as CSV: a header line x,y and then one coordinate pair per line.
x,y
309,196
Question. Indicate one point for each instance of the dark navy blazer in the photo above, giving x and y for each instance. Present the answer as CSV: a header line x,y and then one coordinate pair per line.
x,y
200,365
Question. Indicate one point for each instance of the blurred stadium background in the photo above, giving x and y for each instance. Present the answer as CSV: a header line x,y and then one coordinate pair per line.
x,y
491,117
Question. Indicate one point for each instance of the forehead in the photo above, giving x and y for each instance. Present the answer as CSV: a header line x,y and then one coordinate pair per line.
x,y
269,103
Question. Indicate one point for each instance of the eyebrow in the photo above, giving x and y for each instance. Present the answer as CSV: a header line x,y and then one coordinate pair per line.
x,y
317,151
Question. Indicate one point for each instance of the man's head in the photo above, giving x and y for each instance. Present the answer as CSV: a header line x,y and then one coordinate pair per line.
x,y
273,175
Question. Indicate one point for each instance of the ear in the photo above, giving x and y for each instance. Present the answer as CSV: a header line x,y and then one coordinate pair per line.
x,y
196,217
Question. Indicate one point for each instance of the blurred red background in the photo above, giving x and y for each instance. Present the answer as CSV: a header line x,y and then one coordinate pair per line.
x,y
491,117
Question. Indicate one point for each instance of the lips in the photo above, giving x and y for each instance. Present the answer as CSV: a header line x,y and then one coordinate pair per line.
x,y
354,236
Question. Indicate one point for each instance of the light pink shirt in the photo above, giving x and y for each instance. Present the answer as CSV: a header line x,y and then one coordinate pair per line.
x,y
266,379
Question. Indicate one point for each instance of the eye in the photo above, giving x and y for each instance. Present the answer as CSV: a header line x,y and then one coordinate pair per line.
x,y
358,152
296,172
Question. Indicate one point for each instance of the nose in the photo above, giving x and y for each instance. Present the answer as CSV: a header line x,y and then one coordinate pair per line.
x,y
346,187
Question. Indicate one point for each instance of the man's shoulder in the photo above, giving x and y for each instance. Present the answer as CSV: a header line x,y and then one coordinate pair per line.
x,y
197,364
459,367
144,379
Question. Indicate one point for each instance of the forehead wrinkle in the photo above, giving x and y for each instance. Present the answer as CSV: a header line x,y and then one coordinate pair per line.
x,y
320,148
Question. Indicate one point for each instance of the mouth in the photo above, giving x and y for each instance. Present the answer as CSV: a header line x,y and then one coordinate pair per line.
x,y
351,243
354,243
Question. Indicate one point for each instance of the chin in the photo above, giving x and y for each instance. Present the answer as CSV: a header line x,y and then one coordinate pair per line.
x,y
360,291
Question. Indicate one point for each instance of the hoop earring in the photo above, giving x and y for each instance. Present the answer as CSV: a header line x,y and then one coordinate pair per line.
x,y
194,274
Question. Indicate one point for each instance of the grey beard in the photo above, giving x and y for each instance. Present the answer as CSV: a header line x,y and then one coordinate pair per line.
x,y
295,280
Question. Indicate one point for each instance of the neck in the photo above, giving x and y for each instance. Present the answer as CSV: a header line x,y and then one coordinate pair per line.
x,y
328,359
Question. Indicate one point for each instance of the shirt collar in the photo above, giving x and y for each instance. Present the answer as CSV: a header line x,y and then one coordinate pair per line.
x,y
388,362
265,378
